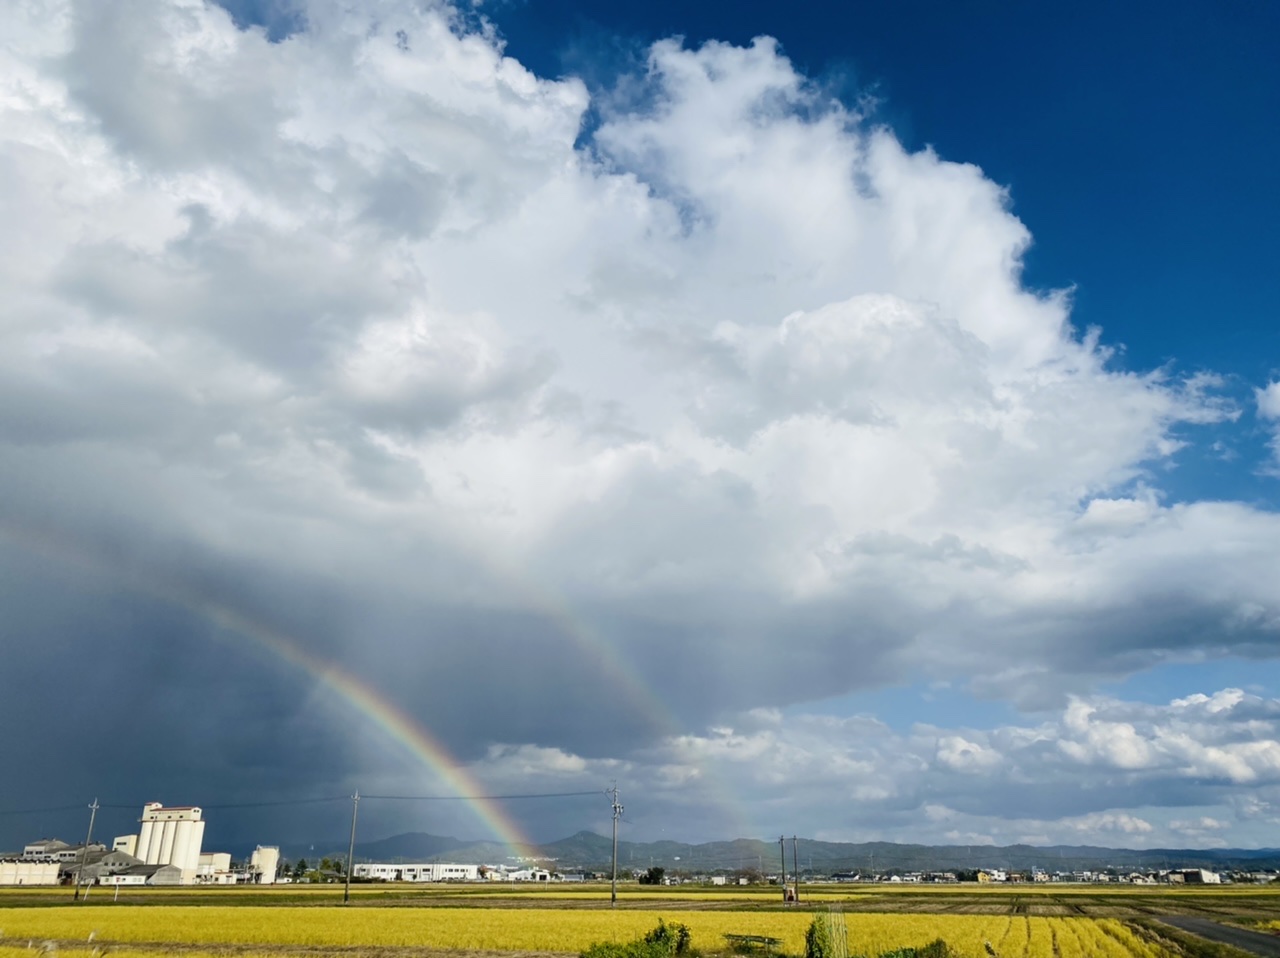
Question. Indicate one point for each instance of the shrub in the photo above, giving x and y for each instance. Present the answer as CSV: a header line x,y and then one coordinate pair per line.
x,y
665,941
673,939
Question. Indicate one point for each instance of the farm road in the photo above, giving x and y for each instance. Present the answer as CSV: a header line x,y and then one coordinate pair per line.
x,y
1268,946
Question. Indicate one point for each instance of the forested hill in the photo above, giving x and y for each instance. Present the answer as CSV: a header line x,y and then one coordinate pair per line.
x,y
587,850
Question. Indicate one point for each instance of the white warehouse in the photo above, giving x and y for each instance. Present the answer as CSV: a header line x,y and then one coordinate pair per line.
x,y
28,871
421,871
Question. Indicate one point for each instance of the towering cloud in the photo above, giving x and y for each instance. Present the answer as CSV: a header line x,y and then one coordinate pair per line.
x,y
726,401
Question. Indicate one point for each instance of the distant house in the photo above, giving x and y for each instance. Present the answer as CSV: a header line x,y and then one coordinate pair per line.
x,y
530,874
1195,876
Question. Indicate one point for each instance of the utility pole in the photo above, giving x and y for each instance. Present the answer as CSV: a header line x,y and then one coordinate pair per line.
x,y
782,879
617,813
795,864
351,848
84,850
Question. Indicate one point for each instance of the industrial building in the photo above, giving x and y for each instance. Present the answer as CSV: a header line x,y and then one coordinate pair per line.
x,y
215,869
97,866
166,851
145,875
44,848
60,851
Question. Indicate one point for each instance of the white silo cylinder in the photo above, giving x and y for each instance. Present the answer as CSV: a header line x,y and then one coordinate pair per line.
x,y
143,852
166,843
194,842
181,841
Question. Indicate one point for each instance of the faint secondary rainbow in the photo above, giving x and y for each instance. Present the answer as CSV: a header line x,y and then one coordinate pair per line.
x,y
357,693
622,675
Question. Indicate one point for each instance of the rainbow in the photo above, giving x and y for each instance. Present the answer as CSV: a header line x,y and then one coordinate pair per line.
x,y
354,691
367,701
361,696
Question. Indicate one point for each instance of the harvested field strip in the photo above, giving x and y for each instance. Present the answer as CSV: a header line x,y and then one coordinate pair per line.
x,y
545,930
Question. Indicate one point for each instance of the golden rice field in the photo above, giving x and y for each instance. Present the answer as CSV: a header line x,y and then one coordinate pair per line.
x,y
552,929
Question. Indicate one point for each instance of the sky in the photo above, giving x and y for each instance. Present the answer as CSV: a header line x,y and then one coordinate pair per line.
x,y
859,420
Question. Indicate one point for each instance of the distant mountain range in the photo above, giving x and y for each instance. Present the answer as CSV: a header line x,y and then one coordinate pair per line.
x,y
592,852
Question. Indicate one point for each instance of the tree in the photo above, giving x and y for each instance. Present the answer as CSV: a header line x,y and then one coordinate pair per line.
x,y
300,868
654,876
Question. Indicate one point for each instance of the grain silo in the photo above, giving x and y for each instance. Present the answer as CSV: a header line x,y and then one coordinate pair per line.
x,y
171,836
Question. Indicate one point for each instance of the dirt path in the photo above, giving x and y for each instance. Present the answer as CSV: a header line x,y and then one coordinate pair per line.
x,y
1255,942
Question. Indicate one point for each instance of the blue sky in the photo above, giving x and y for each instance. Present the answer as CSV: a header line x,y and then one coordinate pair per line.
x,y
621,394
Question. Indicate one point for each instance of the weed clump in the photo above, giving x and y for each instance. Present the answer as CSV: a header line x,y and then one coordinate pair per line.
x,y
935,949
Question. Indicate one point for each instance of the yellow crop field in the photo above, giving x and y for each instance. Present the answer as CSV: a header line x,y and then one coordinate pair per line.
x,y
554,929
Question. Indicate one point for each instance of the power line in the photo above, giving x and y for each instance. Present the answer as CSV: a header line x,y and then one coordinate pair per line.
x,y
322,800
472,798
226,805
296,801
41,811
